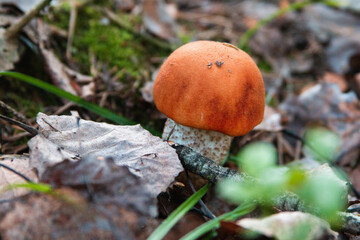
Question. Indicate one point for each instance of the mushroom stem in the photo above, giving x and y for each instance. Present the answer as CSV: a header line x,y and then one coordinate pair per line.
x,y
211,144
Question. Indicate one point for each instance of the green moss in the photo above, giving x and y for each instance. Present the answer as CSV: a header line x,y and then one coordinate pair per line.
x,y
109,43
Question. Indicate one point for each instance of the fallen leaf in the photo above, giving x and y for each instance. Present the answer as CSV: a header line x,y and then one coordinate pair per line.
x,y
146,92
326,105
330,77
91,199
158,21
271,121
19,163
339,30
66,78
290,225
104,182
69,137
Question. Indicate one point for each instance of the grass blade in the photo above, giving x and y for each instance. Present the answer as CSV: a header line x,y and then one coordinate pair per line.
x,y
175,216
37,187
81,102
61,93
214,223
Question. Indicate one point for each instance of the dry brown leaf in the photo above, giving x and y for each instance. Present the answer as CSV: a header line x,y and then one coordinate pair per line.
x,y
330,77
339,29
66,78
20,163
158,21
271,121
325,104
104,182
287,225
68,137
92,214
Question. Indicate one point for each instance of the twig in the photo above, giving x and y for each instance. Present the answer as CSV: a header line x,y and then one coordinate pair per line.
x,y
203,166
204,209
1,139
72,24
16,172
16,27
9,109
280,148
27,128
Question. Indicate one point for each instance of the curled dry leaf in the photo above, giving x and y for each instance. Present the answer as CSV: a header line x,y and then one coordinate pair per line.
x,y
325,104
66,78
69,137
290,225
85,213
19,163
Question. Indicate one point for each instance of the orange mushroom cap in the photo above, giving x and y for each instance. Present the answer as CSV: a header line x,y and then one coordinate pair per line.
x,y
212,86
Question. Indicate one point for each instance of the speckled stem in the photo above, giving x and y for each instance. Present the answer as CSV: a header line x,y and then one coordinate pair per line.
x,y
211,144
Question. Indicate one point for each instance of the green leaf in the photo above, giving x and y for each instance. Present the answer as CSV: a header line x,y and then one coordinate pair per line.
x,y
175,216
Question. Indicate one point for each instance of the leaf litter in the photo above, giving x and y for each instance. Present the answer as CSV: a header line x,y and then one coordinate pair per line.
x,y
310,45
69,137
105,178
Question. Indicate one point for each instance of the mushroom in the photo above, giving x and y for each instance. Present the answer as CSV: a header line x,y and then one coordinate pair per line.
x,y
210,92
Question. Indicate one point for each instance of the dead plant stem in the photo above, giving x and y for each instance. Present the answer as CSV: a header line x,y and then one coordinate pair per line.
x,y
14,29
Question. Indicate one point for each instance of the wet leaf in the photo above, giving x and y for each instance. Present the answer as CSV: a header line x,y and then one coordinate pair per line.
x,y
69,137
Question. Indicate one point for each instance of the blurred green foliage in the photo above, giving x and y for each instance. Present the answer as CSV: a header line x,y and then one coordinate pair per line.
x,y
261,153
321,144
323,193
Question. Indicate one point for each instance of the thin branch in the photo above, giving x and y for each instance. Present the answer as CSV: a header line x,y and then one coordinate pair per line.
x,y
27,128
16,172
204,209
9,109
16,27
72,24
